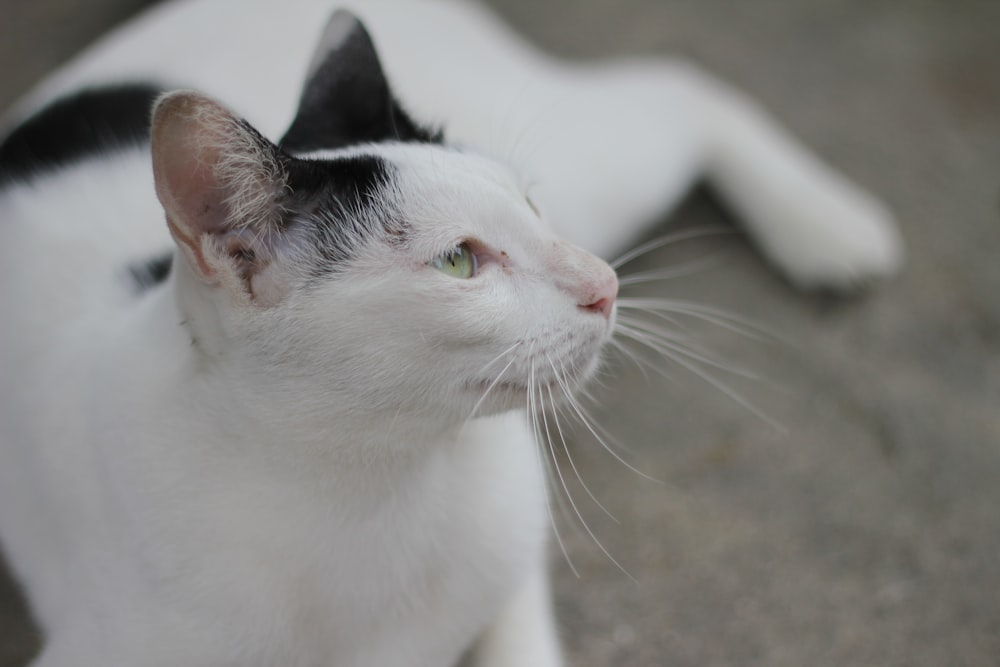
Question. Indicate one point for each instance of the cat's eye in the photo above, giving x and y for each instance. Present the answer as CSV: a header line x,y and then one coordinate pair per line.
x,y
459,262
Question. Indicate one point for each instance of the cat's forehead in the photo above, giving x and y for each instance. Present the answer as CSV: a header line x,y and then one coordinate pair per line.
x,y
455,183
442,164
445,192
438,195
415,168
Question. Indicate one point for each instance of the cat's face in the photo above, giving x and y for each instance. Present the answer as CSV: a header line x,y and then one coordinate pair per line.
x,y
403,316
364,265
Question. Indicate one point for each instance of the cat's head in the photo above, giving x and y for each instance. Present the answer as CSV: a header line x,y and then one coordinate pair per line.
x,y
362,263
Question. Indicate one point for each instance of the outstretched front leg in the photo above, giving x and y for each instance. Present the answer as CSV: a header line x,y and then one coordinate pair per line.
x,y
634,136
818,227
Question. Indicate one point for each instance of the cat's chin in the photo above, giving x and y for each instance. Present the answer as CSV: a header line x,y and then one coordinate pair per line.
x,y
546,391
499,396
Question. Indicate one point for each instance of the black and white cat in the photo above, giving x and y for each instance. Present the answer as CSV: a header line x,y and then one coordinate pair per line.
x,y
299,437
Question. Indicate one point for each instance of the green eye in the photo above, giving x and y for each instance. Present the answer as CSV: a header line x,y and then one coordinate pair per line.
x,y
459,262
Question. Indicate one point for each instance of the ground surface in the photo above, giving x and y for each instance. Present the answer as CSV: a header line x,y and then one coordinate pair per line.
x,y
868,531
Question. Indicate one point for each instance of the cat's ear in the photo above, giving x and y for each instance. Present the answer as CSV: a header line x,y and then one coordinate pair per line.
x,y
222,185
347,99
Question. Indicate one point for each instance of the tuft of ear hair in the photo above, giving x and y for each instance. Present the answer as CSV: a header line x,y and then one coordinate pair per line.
x,y
347,99
221,185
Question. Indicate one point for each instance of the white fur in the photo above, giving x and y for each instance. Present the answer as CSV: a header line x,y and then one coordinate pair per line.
x,y
300,486
190,479
607,148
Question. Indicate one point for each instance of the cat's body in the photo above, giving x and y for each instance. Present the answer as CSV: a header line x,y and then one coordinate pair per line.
x,y
265,458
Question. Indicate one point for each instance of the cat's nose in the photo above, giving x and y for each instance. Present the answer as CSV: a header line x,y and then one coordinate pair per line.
x,y
599,295
588,280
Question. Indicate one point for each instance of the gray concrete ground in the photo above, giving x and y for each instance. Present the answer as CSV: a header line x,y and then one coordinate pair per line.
x,y
867,532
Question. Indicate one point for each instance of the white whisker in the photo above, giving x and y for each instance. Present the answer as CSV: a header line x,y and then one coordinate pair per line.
x,y
641,361
666,334
679,271
660,338
543,467
715,316
501,355
631,355
682,331
569,496
640,337
545,441
486,393
574,395
569,457
675,237
571,401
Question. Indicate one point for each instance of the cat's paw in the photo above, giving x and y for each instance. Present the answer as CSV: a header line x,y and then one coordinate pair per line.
x,y
840,241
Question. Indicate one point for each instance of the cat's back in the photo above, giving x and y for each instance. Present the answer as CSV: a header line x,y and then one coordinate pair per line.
x,y
253,57
74,232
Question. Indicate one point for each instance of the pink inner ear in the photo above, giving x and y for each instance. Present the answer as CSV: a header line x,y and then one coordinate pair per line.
x,y
187,143
216,176
213,176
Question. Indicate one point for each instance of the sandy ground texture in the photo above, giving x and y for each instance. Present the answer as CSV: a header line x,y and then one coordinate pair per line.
x,y
865,530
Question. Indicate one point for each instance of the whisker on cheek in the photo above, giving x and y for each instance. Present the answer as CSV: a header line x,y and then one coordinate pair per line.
x,y
543,465
670,239
565,487
587,422
486,393
569,457
664,341
698,311
670,352
680,271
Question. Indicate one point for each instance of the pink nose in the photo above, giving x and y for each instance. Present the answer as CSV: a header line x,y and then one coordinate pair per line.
x,y
601,297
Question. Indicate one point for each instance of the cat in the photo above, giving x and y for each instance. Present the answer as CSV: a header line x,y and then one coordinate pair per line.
x,y
287,427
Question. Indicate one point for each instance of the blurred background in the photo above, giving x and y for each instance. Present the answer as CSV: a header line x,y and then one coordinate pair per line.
x,y
865,530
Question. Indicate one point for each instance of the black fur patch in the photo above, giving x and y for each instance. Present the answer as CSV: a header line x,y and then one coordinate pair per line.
x,y
347,100
152,272
331,201
338,199
90,121
334,206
